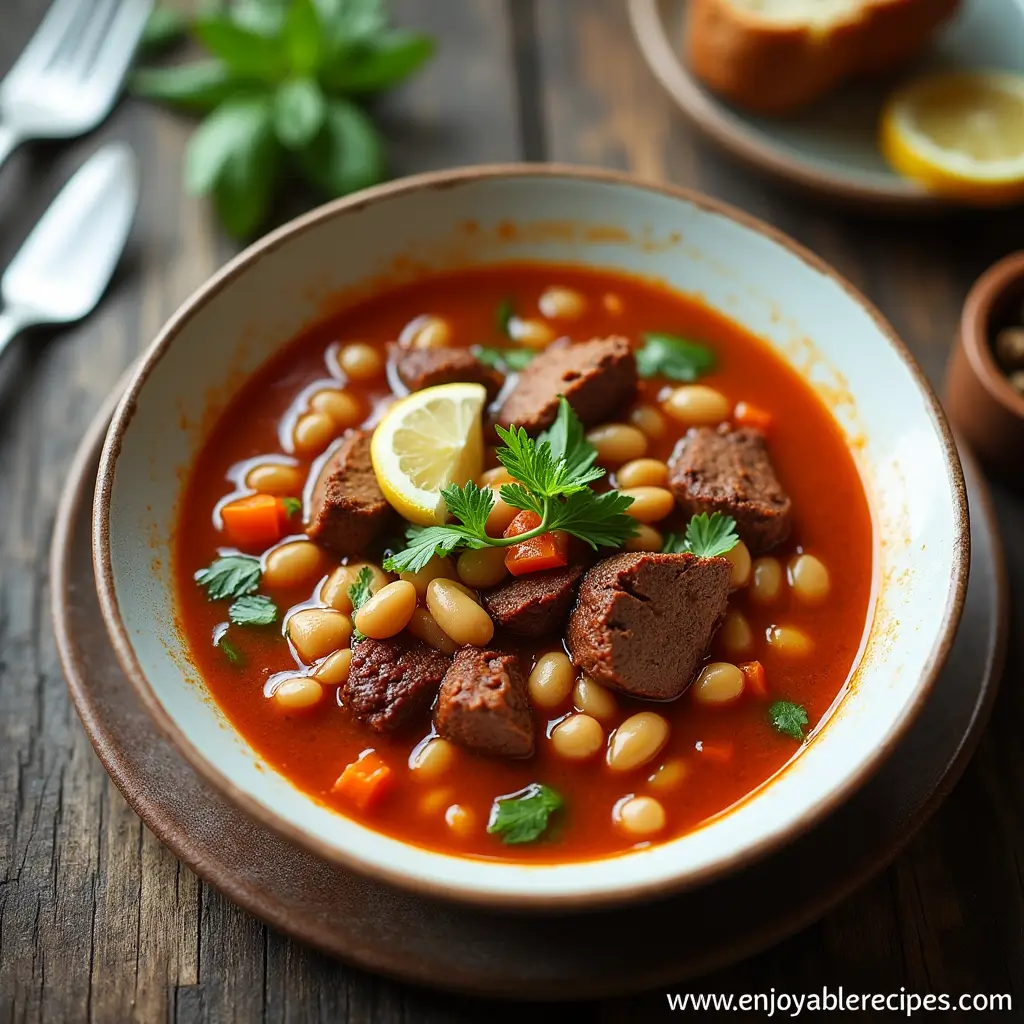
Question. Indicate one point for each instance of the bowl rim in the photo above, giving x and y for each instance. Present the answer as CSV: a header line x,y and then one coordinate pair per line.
x,y
604,894
710,115
975,318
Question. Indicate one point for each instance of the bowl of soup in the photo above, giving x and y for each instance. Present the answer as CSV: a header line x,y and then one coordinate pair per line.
x,y
531,536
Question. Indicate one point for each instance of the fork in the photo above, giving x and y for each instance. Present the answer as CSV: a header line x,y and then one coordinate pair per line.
x,y
68,77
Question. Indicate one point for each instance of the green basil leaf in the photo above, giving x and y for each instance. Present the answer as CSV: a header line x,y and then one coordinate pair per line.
x,y
264,17
299,111
232,131
245,189
198,87
244,51
375,63
303,37
352,19
164,28
348,154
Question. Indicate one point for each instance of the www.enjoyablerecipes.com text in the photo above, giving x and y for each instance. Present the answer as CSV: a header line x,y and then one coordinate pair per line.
x,y
792,1004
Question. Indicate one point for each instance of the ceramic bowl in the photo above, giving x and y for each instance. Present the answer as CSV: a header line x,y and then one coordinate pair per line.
x,y
761,279
987,411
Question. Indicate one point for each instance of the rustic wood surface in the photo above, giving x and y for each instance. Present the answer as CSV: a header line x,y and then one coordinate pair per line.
x,y
98,921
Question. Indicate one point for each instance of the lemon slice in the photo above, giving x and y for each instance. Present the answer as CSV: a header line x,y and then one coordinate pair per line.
x,y
426,441
959,134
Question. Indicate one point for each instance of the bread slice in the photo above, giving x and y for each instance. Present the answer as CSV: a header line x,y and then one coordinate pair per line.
x,y
775,56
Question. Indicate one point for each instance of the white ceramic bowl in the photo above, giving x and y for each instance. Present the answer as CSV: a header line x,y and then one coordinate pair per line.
x,y
755,275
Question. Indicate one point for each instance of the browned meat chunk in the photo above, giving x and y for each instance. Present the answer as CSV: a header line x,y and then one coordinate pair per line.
x,y
643,621
728,471
483,704
534,604
349,511
423,368
596,378
392,683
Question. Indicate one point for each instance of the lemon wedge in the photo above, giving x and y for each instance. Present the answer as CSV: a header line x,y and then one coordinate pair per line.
x,y
960,134
426,441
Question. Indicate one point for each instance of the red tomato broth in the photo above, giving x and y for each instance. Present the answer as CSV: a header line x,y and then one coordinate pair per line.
x,y
311,748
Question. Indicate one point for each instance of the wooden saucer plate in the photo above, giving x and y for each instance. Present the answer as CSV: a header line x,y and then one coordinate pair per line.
x,y
830,149
500,954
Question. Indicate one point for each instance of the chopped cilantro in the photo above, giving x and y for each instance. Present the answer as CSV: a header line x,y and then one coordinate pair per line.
x,y
788,718
359,593
522,817
513,359
230,576
665,355
292,506
230,651
254,610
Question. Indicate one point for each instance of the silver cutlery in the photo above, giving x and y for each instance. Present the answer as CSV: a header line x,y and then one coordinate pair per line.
x,y
68,77
66,263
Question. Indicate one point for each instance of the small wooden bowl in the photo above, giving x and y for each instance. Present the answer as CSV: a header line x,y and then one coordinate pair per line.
x,y
981,403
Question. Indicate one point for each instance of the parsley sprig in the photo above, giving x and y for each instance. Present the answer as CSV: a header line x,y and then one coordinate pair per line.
x,y
707,536
523,817
553,476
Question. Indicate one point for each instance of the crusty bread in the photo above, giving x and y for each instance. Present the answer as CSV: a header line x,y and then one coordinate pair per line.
x,y
775,56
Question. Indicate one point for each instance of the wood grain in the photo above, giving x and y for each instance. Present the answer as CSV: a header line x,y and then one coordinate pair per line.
x,y
98,922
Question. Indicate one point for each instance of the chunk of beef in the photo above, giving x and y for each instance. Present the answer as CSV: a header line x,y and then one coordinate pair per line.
x,y
423,368
643,621
349,511
535,604
483,704
595,376
724,470
392,683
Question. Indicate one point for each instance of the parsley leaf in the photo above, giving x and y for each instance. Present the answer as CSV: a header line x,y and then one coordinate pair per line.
x,y
359,593
536,466
426,541
598,519
292,506
253,610
506,311
665,355
569,442
469,503
230,576
513,359
522,817
706,536
788,718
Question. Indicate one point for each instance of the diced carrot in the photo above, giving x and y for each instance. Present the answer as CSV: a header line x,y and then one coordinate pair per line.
x,y
757,682
548,551
719,751
253,521
747,415
365,781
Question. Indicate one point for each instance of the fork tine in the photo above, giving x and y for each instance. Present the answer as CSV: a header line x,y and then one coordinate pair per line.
x,y
48,37
118,48
77,57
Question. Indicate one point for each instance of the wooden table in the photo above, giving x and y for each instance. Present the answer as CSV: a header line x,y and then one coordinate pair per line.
x,y
97,920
